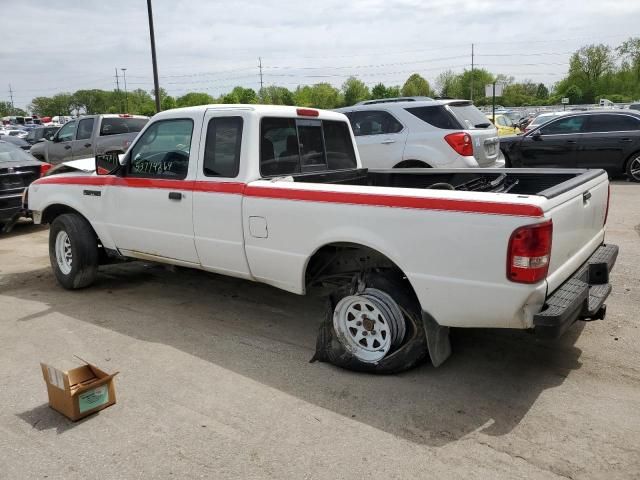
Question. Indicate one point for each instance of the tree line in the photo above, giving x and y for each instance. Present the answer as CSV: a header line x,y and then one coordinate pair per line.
x,y
595,71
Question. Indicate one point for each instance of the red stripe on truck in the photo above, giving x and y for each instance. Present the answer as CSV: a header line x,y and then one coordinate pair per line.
x,y
398,201
324,196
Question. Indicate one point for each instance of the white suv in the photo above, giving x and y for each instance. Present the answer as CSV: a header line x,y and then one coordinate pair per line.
x,y
415,132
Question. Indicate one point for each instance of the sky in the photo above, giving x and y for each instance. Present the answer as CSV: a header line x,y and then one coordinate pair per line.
x,y
212,46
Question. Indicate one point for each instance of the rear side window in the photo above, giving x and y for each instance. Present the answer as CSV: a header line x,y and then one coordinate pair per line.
x,y
222,147
437,116
612,123
289,145
373,122
120,125
468,115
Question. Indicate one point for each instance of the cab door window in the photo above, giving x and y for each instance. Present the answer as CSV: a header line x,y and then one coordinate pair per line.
x,y
85,128
65,134
163,150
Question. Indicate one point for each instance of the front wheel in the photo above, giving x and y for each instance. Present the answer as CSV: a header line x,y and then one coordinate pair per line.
x,y
633,167
373,329
73,251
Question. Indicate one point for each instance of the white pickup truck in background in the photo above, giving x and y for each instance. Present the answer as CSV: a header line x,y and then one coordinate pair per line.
x,y
277,195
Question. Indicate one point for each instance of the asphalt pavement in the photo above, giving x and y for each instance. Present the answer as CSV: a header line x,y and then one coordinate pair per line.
x,y
215,382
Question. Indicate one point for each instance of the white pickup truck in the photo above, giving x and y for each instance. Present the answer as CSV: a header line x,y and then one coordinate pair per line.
x,y
277,195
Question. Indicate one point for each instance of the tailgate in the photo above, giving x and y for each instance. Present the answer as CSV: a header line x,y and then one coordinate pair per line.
x,y
578,227
486,146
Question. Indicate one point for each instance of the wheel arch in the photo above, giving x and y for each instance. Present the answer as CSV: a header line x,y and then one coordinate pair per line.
x,y
412,163
344,259
628,159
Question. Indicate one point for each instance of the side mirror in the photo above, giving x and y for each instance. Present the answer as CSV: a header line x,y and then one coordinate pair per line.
x,y
536,135
55,139
107,163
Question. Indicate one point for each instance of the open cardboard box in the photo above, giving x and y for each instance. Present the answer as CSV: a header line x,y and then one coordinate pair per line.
x,y
79,392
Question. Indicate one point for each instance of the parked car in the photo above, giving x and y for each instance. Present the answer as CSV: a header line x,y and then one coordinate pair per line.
x,y
17,141
592,139
90,136
277,195
634,106
41,133
542,118
15,132
17,170
504,124
418,133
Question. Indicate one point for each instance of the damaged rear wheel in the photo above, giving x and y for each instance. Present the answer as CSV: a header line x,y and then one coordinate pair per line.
x,y
376,329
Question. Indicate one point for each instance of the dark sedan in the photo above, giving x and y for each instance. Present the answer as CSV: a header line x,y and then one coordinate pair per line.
x,y
607,139
17,170
17,141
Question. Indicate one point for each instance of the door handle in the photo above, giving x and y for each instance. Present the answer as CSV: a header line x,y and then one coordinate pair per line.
x,y
388,141
175,196
67,147
571,142
626,140
87,145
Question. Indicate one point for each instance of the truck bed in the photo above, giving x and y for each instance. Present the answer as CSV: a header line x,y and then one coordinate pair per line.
x,y
545,183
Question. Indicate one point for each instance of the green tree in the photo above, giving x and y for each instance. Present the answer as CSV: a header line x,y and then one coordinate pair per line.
x,y
448,84
59,104
354,91
320,95
5,109
379,91
574,93
542,92
273,95
193,99
416,86
588,67
241,95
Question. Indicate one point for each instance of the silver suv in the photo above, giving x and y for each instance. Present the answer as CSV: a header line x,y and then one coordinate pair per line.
x,y
414,132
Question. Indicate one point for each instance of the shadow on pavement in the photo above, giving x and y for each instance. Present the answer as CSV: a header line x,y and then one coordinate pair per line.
x,y
490,383
44,417
23,227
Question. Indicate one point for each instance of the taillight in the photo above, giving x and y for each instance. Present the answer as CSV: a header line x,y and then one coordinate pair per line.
x,y
44,168
606,212
529,253
461,143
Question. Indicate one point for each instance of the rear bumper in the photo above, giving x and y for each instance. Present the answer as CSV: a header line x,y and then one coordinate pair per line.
x,y
581,297
10,205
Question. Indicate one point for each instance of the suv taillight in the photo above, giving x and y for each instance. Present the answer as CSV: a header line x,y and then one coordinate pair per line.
x,y
44,168
529,253
461,143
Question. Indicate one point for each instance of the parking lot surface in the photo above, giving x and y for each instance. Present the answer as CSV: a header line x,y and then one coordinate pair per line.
x,y
215,382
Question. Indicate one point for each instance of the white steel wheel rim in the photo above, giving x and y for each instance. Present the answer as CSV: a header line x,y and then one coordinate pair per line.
x,y
362,328
634,168
64,255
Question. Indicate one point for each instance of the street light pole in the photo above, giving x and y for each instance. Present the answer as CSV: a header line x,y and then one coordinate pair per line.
x,y
153,56
126,95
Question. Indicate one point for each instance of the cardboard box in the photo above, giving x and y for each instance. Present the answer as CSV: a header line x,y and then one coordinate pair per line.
x,y
80,391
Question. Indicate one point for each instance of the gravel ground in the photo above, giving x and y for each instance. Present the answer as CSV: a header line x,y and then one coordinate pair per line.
x,y
215,383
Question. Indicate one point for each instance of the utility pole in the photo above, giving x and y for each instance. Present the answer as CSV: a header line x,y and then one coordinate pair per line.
x,y
156,84
117,82
260,66
11,95
126,96
471,93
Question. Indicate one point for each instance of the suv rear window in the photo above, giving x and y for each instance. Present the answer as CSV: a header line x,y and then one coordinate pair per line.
x,y
437,116
119,125
469,116
289,145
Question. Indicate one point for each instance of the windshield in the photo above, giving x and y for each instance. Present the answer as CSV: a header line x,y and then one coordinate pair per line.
x,y
469,116
11,153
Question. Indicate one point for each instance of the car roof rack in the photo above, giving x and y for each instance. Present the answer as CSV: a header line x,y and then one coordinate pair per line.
x,y
394,100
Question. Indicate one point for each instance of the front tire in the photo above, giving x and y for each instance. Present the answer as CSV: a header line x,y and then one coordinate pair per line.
x,y
73,251
633,167
377,329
